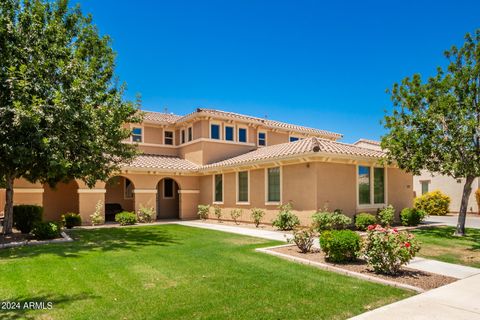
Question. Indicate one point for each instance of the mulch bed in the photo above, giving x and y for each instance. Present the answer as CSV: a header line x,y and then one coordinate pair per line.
x,y
416,278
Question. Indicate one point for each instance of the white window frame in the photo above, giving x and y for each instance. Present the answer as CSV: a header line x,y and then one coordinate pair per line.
x,y
173,137
142,134
372,205
225,132
189,129
268,203
213,188
258,138
240,126
220,131
125,189
237,189
173,189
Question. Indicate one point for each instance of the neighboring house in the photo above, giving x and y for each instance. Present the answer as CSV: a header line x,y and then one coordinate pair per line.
x,y
427,181
453,188
233,161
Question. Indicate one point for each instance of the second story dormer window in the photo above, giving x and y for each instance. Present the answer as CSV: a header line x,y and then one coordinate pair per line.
x,y
168,138
215,131
229,133
262,139
137,134
242,134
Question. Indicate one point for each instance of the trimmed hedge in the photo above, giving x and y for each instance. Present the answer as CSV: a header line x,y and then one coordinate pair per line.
x,y
340,245
46,230
412,216
330,221
433,203
363,220
71,220
26,216
126,218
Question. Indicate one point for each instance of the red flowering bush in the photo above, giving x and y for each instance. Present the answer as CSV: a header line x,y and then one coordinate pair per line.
x,y
386,250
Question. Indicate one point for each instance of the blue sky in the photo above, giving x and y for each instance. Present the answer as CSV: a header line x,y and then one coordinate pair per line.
x,y
315,63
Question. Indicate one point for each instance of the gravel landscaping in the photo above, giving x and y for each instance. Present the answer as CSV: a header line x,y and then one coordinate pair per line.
x,y
420,279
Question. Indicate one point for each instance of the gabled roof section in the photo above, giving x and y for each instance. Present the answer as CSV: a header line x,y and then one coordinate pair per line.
x,y
159,162
307,146
265,122
370,144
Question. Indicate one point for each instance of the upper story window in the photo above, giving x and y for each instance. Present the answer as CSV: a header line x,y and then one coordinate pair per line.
x,y
182,136
424,186
137,134
371,187
168,137
293,139
262,139
215,131
229,133
242,135
190,133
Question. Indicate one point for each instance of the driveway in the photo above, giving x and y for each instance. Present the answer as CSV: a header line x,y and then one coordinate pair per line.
x,y
473,221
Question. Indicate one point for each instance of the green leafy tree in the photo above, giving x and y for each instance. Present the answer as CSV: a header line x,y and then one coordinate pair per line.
x,y
435,125
62,113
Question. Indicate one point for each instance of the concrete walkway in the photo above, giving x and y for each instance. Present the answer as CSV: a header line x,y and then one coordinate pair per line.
x,y
458,300
447,269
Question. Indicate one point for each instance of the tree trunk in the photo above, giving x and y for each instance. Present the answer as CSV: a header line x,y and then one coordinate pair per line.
x,y
8,218
462,215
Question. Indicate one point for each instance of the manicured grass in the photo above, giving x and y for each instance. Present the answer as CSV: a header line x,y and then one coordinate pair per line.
x,y
439,243
176,272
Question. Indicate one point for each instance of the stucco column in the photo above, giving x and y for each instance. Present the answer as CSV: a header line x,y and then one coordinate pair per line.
x,y
146,198
189,200
87,202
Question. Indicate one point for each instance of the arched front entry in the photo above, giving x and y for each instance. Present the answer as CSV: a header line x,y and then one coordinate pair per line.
x,y
168,200
61,199
119,196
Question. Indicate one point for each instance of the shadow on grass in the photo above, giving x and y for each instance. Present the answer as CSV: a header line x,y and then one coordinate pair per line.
x,y
103,240
29,307
472,236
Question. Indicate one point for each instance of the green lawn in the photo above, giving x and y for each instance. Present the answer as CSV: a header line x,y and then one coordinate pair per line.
x,y
439,243
176,272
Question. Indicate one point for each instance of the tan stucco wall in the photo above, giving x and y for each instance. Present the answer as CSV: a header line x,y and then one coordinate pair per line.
x,y
276,138
205,152
449,186
400,189
115,194
60,200
153,134
158,150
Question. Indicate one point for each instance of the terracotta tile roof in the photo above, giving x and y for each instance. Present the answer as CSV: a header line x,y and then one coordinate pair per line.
x,y
305,146
159,117
266,122
153,161
368,141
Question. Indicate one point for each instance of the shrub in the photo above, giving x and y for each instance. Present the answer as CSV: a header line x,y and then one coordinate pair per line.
x,y
46,230
330,221
217,211
387,250
146,214
411,216
203,211
235,214
340,245
26,216
363,220
257,216
303,238
126,218
97,217
386,215
433,203
71,220
286,219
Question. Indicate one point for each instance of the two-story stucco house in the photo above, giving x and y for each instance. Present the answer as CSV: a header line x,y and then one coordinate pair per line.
x,y
233,161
